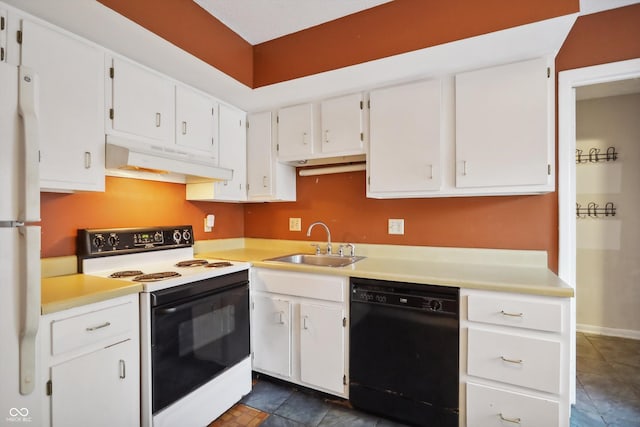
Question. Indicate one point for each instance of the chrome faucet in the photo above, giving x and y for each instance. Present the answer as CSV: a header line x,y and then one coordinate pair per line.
x,y
328,236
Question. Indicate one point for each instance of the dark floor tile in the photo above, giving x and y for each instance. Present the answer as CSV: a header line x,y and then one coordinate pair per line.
x,y
618,409
383,422
304,408
618,350
581,418
339,416
587,350
624,423
605,387
267,396
277,421
583,401
592,365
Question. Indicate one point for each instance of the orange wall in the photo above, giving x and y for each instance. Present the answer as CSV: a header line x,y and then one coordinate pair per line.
x,y
130,203
390,29
191,28
339,200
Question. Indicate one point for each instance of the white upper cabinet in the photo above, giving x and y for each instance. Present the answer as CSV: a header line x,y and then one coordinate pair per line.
x,y
342,125
405,140
143,104
503,132
296,132
267,179
71,102
233,154
196,121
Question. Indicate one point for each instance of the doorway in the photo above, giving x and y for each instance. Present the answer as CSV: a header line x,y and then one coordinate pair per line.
x,y
568,82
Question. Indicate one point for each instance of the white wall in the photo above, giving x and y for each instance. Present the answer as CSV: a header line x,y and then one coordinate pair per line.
x,y
608,249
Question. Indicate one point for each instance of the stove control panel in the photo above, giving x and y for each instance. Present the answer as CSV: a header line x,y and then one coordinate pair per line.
x,y
115,241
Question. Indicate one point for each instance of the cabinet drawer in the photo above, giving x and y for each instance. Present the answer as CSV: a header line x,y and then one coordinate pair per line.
x,y
489,406
86,329
515,359
540,315
328,288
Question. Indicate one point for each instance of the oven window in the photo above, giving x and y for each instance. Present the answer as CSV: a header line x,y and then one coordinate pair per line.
x,y
195,340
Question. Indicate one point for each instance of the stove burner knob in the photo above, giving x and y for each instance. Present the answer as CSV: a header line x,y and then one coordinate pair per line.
x,y
113,240
186,235
177,236
157,237
98,241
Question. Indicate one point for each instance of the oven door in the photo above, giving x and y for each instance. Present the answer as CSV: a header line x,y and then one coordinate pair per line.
x,y
196,338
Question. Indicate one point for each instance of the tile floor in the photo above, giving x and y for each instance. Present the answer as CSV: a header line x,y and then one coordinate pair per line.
x,y
608,383
607,394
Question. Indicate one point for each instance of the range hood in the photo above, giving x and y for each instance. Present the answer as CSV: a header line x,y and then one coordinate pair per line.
x,y
142,160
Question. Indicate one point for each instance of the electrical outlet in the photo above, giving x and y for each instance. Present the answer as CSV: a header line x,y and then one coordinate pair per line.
x,y
295,224
396,226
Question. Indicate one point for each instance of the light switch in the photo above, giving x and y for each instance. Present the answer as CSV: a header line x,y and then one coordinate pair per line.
x,y
396,226
295,224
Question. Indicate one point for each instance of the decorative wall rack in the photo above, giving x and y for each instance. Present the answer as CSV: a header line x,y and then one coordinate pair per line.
x,y
593,210
595,155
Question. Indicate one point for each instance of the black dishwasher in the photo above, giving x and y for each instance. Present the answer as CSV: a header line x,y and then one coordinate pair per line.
x,y
404,351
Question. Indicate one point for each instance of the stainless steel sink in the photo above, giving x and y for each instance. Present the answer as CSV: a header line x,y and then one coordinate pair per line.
x,y
320,260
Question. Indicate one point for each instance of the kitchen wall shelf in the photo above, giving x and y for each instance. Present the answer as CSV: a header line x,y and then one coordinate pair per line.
x,y
595,155
593,210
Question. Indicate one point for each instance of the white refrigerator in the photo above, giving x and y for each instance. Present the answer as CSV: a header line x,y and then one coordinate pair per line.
x,y
21,387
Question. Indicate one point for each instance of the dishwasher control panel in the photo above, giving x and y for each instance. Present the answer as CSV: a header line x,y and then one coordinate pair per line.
x,y
429,302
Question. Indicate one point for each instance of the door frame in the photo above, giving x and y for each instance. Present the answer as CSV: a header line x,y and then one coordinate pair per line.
x,y
568,81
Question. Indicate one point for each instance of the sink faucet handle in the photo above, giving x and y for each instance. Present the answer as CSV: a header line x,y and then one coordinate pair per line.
x,y
329,248
317,246
348,245
353,248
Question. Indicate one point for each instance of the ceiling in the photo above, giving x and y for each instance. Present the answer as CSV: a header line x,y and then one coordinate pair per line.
x,y
258,21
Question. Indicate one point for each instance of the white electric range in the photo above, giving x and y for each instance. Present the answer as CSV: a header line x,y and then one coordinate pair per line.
x,y
194,320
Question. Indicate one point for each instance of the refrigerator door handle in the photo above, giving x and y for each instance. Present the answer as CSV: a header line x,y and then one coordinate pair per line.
x,y
28,110
30,310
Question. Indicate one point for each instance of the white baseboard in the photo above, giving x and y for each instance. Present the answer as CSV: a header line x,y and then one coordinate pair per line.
x,y
601,330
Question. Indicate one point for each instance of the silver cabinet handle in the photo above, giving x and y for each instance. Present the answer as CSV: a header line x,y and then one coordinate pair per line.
x,y
158,119
516,361
94,328
508,419
464,168
281,317
304,322
123,370
506,313
184,128
431,167
87,160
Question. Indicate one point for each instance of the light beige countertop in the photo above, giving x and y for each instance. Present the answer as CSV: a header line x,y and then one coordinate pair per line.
x,y
523,272
64,292
486,269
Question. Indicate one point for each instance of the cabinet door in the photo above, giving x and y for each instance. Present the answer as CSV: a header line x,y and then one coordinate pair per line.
x,y
342,125
404,145
143,103
233,154
98,389
259,157
271,335
71,108
322,349
503,119
196,121
295,132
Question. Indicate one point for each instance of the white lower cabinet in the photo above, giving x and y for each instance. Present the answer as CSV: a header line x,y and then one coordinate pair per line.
x,y
298,330
91,356
491,406
514,360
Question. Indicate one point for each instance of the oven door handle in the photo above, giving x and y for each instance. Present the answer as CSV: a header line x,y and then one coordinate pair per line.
x,y
197,299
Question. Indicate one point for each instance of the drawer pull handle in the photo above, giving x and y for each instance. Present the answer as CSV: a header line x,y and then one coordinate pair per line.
x,y
304,322
123,370
509,420
281,317
516,361
93,328
505,313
